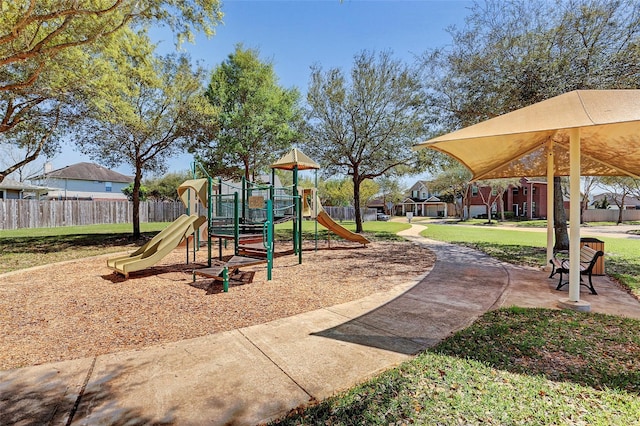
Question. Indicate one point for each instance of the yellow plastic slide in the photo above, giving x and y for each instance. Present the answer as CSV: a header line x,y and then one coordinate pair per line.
x,y
325,220
158,247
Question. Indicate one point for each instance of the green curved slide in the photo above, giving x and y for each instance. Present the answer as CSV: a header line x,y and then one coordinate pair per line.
x,y
158,247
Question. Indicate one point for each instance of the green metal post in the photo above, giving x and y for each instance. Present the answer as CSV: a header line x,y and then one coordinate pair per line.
x,y
209,217
268,238
244,201
298,203
225,279
272,195
296,226
315,208
236,223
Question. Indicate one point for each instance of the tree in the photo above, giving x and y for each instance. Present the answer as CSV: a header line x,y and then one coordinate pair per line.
x,y
495,193
513,54
391,192
588,185
364,127
335,192
454,181
142,192
11,155
31,119
156,107
34,32
619,188
166,187
258,119
50,53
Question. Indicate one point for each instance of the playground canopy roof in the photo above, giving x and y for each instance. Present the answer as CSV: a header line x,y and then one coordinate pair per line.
x,y
200,186
293,159
515,144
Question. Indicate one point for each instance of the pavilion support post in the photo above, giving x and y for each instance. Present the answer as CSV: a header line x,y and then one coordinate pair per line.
x,y
574,216
574,302
550,211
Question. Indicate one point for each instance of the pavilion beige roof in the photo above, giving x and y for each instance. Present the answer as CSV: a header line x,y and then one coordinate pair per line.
x,y
514,144
295,158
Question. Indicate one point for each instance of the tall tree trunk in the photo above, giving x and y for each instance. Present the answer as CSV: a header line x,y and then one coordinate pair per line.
x,y
559,217
488,210
620,209
137,182
356,201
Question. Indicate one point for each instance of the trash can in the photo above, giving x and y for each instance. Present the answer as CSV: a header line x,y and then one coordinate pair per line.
x,y
598,245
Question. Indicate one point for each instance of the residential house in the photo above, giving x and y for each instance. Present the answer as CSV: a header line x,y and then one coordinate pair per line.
x,y
528,200
614,201
84,181
378,204
422,202
13,190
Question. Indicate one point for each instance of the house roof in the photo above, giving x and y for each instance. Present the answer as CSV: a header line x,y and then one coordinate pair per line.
x,y
86,171
86,195
14,185
419,184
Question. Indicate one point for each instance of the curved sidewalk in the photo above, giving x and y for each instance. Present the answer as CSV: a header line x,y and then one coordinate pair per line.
x,y
258,373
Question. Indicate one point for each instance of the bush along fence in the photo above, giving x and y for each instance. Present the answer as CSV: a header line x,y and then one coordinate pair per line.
x,y
16,214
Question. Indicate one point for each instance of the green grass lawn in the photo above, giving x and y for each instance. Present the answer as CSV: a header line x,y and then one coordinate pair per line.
x,y
374,230
24,248
622,256
512,366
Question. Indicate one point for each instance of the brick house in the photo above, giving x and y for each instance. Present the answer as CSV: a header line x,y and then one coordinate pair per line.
x,y
527,201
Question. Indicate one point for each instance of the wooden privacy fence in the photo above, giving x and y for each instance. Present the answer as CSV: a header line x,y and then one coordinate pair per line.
x,y
16,214
349,213
609,215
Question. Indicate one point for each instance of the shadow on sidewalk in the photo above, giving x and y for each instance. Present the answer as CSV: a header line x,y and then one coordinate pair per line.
x,y
462,286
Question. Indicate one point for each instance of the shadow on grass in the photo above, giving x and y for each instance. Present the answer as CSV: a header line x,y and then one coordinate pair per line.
x,y
53,244
596,350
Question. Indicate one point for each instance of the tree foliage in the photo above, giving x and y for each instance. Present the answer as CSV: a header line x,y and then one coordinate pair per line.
x,y
516,53
50,55
34,32
619,187
391,191
165,187
336,192
155,108
365,125
258,119
453,181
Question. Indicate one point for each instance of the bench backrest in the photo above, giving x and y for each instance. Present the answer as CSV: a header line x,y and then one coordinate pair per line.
x,y
589,256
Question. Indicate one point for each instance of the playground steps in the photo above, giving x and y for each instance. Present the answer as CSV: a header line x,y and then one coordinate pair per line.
x,y
233,265
258,250
253,249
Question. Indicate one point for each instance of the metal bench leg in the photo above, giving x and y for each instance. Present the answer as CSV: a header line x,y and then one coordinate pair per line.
x,y
593,290
560,283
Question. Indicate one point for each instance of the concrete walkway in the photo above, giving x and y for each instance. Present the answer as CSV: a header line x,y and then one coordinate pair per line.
x,y
258,373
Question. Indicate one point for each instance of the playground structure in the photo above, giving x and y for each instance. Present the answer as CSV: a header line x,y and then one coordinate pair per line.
x,y
243,215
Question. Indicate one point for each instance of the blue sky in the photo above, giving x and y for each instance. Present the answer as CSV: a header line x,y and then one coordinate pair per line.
x,y
294,35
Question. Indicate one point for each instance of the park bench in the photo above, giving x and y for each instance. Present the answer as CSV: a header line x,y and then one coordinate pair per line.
x,y
588,258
